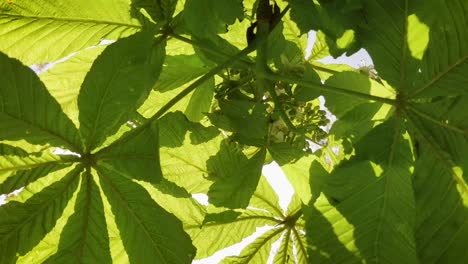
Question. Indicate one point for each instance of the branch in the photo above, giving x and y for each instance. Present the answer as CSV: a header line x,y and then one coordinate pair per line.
x,y
328,88
209,48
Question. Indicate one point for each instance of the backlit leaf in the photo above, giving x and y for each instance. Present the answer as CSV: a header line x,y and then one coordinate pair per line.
x,y
119,80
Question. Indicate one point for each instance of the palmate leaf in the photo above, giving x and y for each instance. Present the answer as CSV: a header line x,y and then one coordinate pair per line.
x,y
29,30
438,129
411,54
420,68
226,228
118,82
398,196
373,204
67,208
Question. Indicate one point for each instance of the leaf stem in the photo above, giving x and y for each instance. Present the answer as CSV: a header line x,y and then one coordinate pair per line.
x,y
328,88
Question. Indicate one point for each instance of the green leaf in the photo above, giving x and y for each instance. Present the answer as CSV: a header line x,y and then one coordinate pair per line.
x,y
285,252
225,50
339,105
219,12
179,70
27,111
118,82
17,172
440,182
372,199
335,18
168,7
185,148
320,49
297,171
233,116
292,33
23,225
136,157
441,200
42,32
84,238
235,176
139,219
357,116
65,78
266,198
6,149
388,184
325,71
409,54
224,230
194,105
259,250
176,201
330,241
200,101
160,11
221,230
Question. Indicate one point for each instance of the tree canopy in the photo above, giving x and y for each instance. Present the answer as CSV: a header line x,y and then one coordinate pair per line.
x,y
189,98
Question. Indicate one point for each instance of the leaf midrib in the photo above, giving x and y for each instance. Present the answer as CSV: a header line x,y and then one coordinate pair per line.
x,y
52,134
129,209
84,231
262,243
381,217
72,19
91,136
302,248
238,220
32,166
439,76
